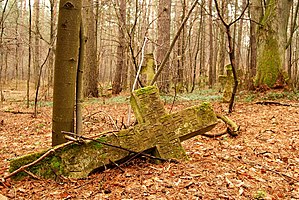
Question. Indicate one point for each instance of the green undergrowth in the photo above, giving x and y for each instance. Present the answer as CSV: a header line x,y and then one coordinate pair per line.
x,y
269,96
198,95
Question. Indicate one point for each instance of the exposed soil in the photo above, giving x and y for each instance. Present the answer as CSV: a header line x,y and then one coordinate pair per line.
x,y
262,162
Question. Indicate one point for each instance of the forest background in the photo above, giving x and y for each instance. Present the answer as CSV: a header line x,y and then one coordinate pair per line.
x,y
264,42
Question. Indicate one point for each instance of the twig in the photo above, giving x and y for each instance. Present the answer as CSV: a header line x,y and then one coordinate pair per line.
x,y
117,165
166,57
118,147
134,156
137,78
140,64
31,174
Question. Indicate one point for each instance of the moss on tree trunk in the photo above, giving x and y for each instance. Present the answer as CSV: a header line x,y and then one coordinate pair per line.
x,y
269,62
271,40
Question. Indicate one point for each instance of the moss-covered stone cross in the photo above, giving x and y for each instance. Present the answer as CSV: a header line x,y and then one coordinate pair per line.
x,y
156,131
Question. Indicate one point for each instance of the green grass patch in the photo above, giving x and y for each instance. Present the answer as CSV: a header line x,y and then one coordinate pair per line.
x,y
198,95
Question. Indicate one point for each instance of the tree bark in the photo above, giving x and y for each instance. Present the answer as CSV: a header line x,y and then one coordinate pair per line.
x,y
37,49
271,42
121,50
91,73
181,52
66,62
211,52
164,9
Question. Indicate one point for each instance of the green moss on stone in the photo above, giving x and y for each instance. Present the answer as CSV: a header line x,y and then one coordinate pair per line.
x,y
145,90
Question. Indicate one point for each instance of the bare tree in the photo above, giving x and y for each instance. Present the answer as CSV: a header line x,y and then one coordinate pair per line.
x,y
231,51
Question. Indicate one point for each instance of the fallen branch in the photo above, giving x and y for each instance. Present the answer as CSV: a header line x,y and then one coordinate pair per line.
x,y
19,112
80,138
114,163
31,174
275,103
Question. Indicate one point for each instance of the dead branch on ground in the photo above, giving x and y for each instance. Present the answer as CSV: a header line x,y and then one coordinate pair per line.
x,y
19,112
275,103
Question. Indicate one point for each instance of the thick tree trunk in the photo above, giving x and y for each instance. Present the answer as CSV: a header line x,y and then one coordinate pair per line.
x,y
272,41
121,50
66,62
91,73
164,9
255,12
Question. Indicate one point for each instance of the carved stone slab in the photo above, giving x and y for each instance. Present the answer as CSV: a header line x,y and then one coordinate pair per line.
x,y
156,131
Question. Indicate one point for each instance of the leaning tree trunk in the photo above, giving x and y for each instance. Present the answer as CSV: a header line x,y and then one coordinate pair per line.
x,y
272,41
66,62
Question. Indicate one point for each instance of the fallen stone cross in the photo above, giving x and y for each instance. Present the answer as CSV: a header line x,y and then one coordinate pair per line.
x,y
157,131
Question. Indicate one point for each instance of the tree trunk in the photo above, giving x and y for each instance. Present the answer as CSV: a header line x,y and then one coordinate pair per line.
x,y
211,40
37,49
202,68
91,74
66,62
53,9
164,9
271,42
255,15
121,49
17,45
222,50
29,56
181,53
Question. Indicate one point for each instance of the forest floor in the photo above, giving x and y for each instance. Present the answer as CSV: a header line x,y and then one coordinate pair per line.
x,y
262,162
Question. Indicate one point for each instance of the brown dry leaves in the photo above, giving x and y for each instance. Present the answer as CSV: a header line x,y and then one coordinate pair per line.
x,y
261,163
